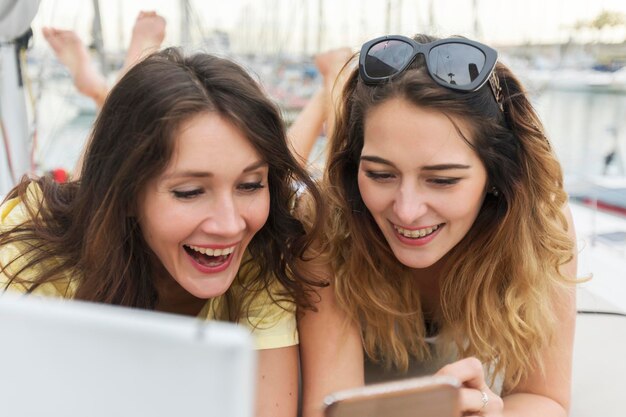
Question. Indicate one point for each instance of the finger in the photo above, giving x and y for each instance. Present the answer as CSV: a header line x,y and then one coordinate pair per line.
x,y
474,401
468,371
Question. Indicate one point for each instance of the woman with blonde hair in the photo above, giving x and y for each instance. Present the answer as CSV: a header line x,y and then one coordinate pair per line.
x,y
449,247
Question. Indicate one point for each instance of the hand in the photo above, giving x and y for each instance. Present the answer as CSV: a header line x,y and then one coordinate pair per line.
x,y
476,398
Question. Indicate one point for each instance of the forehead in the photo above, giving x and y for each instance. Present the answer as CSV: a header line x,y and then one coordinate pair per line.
x,y
399,128
208,141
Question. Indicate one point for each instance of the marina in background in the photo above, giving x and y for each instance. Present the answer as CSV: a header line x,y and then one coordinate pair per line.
x,y
577,86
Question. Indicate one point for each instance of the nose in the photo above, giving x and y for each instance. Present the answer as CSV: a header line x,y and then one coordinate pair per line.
x,y
224,217
409,204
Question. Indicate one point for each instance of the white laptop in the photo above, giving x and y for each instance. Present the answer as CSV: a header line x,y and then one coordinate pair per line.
x,y
62,358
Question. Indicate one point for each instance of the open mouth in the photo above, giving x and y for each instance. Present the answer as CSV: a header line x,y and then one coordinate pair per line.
x,y
417,233
208,257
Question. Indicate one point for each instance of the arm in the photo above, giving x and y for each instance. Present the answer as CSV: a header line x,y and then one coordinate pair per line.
x,y
541,394
331,352
277,382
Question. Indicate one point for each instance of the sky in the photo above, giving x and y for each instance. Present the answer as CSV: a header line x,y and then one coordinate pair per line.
x,y
270,25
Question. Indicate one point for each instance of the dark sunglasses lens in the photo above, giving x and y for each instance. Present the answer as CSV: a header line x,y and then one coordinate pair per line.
x,y
387,58
456,63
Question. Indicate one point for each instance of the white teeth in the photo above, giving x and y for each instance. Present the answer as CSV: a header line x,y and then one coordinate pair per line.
x,y
213,252
416,233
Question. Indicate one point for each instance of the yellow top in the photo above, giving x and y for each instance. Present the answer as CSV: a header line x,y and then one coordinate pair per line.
x,y
271,325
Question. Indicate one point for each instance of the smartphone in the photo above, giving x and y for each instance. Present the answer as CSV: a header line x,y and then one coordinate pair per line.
x,y
431,396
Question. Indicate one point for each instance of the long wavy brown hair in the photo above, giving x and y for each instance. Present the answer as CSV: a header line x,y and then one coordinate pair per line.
x,y
87,225
497,283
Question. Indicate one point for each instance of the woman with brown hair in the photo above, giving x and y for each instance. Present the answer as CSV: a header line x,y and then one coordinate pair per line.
x,y
449,246
183,205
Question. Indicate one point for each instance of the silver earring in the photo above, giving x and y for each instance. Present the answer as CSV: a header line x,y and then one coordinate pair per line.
x,y
495,191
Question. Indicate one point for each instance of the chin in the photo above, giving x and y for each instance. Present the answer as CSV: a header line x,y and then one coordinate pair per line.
x,y
416,262
215,289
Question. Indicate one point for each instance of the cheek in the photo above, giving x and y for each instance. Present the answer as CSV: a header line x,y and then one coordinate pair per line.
x,y
366,191
150,223
375,198
258,212
158,229
468,211
164,221
478,193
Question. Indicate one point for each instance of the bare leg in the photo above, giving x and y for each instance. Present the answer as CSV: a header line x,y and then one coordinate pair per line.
x,y
321,108
72,53
305,130
330,65
148,34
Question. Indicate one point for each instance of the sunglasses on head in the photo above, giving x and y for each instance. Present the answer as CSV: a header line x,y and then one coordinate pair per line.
x,y
455,63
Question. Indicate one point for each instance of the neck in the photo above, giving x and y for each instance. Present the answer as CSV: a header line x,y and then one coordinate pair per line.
x,y
172,298
428,282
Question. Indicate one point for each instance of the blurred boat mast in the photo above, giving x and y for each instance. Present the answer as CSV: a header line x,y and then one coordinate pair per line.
x,y
185,22
16,133
96,36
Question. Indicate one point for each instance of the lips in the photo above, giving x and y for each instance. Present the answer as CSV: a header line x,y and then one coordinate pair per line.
x,y
210,260
417,233
417,237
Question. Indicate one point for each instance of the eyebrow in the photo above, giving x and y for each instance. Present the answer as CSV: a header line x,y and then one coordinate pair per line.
x,y
443,167
206,174
438,167
254,166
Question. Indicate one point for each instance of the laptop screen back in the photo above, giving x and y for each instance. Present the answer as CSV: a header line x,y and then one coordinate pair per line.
x,y
75,359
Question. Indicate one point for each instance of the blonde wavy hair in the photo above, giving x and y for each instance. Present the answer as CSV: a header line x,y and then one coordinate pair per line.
x,y
498,283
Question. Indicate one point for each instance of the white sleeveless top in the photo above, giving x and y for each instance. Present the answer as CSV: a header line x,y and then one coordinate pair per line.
x,y
375,372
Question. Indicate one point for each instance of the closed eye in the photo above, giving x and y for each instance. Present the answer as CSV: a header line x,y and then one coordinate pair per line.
x,y
187,194
250,187
379,176
444,181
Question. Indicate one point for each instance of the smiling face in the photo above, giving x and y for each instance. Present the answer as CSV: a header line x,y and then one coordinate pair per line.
x,y
201,213
420,180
